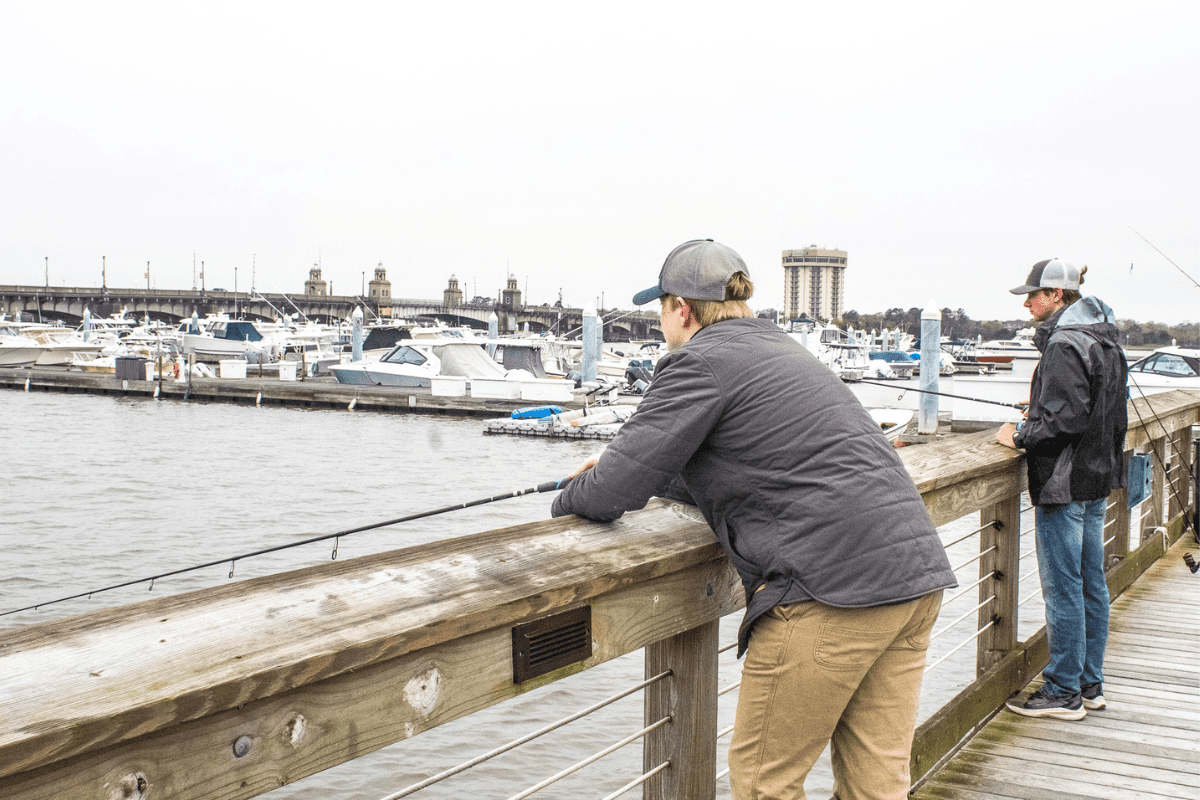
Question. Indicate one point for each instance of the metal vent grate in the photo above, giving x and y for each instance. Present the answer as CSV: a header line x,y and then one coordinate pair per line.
x,y
546,644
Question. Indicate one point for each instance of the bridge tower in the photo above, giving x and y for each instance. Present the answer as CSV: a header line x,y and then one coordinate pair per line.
x,y
452,296
314,285
380,289
511,296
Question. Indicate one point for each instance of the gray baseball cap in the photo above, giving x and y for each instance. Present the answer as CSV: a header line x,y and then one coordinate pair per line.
x,y
1053,273
697,270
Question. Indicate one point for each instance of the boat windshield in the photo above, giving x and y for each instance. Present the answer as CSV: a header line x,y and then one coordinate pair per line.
x,y
1168,364
404,355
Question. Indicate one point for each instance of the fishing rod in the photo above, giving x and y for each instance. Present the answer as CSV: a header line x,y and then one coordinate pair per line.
x,y
548,486
1018,406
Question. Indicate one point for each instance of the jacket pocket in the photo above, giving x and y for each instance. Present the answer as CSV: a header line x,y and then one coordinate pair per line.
x,y
1057,489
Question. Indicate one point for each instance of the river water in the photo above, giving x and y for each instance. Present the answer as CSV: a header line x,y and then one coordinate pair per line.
x,y
102,490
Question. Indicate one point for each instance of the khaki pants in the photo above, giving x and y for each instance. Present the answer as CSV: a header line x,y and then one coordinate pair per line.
x,y
815,675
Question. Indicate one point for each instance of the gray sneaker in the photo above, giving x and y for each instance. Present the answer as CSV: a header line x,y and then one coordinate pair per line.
x,y
1044,704
1093,696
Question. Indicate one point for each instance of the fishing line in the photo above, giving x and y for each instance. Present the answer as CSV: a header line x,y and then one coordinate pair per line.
x,y
1164,255
548,486
903,389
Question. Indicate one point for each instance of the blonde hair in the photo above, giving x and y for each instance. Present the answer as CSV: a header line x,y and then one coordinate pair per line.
x,y
738,290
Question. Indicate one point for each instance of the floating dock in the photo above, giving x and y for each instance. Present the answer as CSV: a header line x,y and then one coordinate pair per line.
x,y
308,393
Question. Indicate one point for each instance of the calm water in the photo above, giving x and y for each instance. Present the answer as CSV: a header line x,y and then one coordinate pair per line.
x,y
99,490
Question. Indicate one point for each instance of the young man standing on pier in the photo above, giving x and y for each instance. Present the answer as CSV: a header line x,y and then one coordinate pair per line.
x,y
1074,439
842,569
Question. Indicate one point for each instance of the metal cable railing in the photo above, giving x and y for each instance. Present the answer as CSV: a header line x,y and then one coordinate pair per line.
x,y
961,618
636,782
960,646
976,557
991,524
947,601
612,748
504,748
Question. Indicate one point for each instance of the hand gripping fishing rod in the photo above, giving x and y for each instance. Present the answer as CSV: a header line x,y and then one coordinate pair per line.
x,y
1017,406
548,486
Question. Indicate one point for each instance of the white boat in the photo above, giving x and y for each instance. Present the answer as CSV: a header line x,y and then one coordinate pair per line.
x,y
415,363
17,349
61,346
1020,346
223,338
1165,369
893,421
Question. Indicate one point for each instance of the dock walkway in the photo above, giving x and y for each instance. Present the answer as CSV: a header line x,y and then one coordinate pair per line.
x,y
1144,746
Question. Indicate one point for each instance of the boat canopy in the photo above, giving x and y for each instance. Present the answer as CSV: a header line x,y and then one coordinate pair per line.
x,y
468,360
383,338
237,332
526,358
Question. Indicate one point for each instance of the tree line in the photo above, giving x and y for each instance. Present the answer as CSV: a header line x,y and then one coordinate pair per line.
x,y
956,324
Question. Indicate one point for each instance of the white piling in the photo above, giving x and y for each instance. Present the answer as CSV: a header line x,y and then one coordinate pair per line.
x,y
931,358
87,323
356,334
591,346
493,333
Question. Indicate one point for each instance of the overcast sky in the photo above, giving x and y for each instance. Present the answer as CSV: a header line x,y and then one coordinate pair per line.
x,y
946,146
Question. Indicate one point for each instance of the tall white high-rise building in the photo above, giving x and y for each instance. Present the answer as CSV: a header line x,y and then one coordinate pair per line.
x,y
814,281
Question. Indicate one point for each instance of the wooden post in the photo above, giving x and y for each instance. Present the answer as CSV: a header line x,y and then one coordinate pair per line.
x,y
689,697
999,640
1157,450
1177,482
1118,515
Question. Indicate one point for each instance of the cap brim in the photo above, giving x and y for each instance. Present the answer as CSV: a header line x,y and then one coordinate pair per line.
x,y
648,295
1024,289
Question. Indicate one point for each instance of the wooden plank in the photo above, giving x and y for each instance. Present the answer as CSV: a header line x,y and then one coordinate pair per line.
x,y
65,689
1131,738
354,713
1066,778
1080,751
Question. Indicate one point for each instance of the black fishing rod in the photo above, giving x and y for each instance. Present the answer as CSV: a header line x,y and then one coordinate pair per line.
x,y
1018,406
548,486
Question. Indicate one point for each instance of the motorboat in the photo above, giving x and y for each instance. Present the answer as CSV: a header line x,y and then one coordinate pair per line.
x,y
1020,346
416,362
892,421
1165,369
223,338
17,349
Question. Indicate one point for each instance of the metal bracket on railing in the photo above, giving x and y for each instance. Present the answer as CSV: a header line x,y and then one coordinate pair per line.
x,y
997,524
998,574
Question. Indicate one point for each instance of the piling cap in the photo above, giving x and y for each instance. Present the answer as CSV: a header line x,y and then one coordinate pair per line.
x,y
696,270
1052,273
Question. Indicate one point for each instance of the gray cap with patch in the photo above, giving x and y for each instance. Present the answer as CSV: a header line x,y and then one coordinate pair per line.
x,y
696,270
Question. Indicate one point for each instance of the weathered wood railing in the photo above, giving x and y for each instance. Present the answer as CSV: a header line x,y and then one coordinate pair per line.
x,y
234,691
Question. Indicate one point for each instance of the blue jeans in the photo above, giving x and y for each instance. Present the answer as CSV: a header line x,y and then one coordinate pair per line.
x,y
1070,552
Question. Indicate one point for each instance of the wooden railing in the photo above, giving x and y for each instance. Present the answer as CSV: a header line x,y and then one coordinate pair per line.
x,y
233,691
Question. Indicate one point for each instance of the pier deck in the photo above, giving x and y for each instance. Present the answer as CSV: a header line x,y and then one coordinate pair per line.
x,y
1145,744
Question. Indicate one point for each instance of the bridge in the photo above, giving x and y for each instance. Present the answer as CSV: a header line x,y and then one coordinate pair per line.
x,y
67,304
